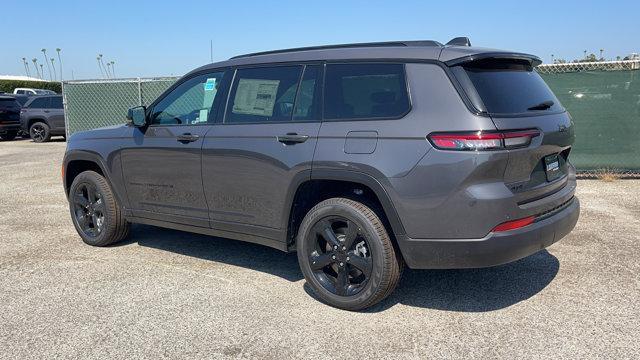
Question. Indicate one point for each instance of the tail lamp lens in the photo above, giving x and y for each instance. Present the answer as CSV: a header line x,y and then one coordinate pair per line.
x,y
483,140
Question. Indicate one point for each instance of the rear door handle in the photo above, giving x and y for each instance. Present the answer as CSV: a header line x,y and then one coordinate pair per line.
x,y
187,138
292,138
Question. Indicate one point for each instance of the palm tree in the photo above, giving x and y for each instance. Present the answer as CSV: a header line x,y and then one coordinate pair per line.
x,y
100,66
35,65
26,66
42,71
60,63
113,69
104,67
601,51
552,60
585,54
55,75
108,69
44,52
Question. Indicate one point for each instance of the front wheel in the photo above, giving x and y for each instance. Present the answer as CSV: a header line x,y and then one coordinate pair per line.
x,y
95,212
346,255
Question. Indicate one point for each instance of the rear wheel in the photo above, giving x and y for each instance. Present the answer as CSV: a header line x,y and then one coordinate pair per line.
x,y
346,255
40,132
95,212
8,136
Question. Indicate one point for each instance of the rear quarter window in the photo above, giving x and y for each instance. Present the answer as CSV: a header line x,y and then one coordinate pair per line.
x,y
365,91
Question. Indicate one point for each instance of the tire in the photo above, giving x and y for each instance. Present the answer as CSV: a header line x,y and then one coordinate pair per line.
x,y
8,136
360,246
40,132
95,212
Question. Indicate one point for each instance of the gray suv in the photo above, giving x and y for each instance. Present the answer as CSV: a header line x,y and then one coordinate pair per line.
x,y
43,117
361,158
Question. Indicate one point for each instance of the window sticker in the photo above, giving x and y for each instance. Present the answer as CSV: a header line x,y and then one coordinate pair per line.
x,y
255,97
210,85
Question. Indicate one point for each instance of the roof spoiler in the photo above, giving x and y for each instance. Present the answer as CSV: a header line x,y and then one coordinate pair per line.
x,y
459,41
531,59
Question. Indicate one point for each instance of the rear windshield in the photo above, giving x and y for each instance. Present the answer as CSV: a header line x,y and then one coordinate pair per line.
x,y
507,87
8,102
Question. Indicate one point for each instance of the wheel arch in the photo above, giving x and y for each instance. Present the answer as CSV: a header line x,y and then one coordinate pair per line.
x,y
77,161
34,120
323,184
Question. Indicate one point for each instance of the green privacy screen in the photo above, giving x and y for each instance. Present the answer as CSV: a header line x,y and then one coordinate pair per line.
x,y
605,106
603,99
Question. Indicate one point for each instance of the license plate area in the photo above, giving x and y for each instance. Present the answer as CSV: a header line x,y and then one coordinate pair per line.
x,y
552,167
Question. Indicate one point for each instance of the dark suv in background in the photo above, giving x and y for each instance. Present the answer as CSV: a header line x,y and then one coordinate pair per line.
x,y
362,158
43,117
9,117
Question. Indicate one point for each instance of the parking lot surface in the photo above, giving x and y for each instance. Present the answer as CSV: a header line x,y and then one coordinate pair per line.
x,y
169,294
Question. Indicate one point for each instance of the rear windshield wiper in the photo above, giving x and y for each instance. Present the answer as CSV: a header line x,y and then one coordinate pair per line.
x,y
542,106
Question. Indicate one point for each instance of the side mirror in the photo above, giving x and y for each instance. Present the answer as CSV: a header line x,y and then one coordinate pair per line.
x,y
137,116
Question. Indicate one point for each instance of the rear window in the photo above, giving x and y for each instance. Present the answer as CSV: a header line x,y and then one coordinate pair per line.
x,y
365,91
507,87
7,102
56,102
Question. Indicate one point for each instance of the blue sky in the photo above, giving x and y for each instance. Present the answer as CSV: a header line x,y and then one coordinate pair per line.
x,y
154,38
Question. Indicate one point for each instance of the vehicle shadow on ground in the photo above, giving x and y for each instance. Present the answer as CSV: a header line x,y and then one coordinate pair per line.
x,y
474,290
467,290
227,251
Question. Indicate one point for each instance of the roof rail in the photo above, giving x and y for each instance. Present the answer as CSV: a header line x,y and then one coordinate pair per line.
x,y
346,46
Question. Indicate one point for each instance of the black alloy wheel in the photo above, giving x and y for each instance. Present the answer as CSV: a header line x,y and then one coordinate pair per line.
x,y
340,259
89,209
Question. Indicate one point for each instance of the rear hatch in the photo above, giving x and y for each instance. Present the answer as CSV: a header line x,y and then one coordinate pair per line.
x,y
9,110
511,92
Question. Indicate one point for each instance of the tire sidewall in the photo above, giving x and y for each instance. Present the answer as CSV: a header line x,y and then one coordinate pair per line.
x,y
374,242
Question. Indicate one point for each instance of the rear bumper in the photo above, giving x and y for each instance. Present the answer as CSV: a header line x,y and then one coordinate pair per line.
x,y
495,248
9,127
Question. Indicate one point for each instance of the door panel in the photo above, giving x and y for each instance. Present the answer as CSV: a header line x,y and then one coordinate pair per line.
x,y
163,166
163,175
248,172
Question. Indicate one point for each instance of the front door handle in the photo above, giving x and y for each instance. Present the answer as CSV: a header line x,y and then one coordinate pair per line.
x,y
292,138
187,138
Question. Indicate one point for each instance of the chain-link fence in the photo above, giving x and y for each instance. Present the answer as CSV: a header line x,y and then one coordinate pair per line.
x,y
602,97
604,101
91,104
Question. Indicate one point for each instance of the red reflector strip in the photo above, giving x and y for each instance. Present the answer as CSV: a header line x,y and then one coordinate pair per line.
x,y
514,224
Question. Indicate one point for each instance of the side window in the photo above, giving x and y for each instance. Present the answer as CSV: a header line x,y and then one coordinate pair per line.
x,y
20,92
190,103
308,99
56,102
263,94
365,91
39,103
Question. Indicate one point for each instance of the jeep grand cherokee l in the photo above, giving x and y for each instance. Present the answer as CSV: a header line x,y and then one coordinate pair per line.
x,y
361,158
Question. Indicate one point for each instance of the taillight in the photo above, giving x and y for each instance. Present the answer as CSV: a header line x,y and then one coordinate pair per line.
x,y
480,140
514,224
